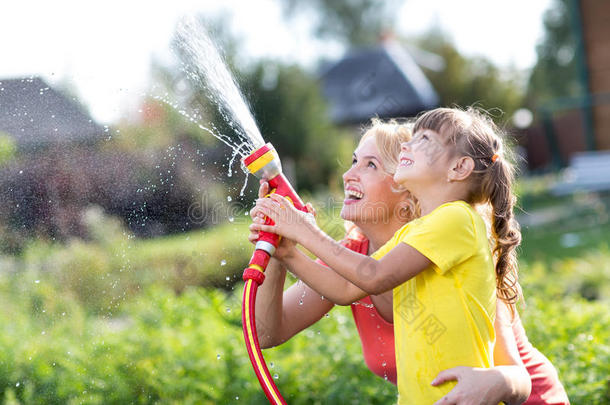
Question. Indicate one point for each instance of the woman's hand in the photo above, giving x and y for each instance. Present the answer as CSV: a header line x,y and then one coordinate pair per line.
x,y
284,249
286,246
478,386
289,222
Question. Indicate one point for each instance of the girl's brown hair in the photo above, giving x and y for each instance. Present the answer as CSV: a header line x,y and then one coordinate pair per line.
x,y
473,134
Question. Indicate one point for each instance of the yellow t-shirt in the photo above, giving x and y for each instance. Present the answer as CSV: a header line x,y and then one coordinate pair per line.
x,y
444,316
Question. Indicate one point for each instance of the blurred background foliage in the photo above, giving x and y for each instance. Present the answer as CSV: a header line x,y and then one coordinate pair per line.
x,y
121,263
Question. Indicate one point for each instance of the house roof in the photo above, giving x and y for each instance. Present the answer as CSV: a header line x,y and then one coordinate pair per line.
x,y
383,81
36,115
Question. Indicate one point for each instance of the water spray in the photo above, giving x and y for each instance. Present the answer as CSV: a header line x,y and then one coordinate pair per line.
x,y
264,163
205,68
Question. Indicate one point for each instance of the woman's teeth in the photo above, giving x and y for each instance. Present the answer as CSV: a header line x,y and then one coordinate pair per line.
x,y
354,195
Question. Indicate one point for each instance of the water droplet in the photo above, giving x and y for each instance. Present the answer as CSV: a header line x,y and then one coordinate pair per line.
x,y
271,365
18,384
231,219
237,397
43,333
20,171
228,309
276,376
300,302
218,357
223,262
37,281
229,198
383,364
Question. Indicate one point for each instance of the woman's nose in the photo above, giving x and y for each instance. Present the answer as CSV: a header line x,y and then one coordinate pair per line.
x,y
405,147
350,174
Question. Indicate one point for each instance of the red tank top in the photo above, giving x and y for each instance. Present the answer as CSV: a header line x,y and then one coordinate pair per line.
x,y
377,338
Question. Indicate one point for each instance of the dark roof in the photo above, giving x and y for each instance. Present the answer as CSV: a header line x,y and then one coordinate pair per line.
x,y
37,115
382,81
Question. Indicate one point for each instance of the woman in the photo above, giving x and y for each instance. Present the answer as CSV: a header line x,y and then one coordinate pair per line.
x,y
377,209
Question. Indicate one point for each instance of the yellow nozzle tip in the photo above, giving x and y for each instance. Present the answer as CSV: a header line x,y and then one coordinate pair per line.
x,y
260,162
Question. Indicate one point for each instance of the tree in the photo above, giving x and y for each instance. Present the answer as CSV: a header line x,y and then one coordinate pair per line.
x,y
471,81
555,73
292,114
351,22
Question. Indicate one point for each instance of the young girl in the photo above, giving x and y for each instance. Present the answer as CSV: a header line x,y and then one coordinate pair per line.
x,y
439,265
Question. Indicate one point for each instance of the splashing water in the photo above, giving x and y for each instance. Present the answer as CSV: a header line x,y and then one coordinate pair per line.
x,y
242,149
206,69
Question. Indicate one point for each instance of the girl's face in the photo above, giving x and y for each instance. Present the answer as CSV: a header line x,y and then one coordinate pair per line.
x,y
423,161
368,188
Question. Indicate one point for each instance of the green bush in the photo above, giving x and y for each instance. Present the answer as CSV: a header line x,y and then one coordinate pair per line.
x,y
105,272
575,335
118,320
167,349
586,276
170,349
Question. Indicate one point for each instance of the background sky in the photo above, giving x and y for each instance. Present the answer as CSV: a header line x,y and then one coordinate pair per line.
x,y
103,50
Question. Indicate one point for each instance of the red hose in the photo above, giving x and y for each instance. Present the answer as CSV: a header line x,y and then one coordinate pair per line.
x,y
254,350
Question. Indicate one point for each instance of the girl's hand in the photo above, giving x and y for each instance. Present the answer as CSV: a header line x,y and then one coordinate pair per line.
x,y
474,386
289,222
257,216
286,247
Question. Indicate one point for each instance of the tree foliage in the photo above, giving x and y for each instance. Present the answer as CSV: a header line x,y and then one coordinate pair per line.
x,y
351,22
468,81
555,73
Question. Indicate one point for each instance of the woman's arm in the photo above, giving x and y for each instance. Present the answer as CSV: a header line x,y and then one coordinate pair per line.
x,y
373,277
517,380
508,381
282,314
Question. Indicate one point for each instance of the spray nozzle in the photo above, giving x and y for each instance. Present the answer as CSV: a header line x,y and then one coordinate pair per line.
x,y
264,162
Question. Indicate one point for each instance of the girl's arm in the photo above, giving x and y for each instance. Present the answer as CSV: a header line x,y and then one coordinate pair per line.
x,y
373,277
317,276
508,381
326,282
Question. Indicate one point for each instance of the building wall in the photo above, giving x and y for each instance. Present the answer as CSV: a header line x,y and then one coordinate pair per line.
x,y
596,34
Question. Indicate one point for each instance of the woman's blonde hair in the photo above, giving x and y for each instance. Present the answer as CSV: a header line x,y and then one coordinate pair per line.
x,y
388,136
472,133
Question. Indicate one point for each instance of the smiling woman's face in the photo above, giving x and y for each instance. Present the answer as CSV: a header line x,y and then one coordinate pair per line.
x,y
369,197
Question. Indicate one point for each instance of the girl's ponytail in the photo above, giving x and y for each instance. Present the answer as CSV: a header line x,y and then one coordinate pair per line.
x,y
505,229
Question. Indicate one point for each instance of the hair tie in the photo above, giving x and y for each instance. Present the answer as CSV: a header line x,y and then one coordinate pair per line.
x,y
494,158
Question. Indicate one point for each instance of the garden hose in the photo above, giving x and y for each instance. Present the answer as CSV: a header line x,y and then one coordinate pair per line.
x,y
265,164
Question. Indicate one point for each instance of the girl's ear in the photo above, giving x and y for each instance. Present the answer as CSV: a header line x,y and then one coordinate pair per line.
x,y
460,170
